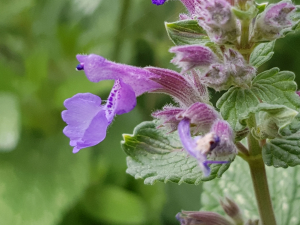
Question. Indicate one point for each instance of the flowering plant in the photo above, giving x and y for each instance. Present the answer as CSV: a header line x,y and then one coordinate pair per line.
x,y
219,45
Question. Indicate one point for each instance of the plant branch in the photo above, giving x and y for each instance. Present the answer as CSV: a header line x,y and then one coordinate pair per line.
x,y
259,179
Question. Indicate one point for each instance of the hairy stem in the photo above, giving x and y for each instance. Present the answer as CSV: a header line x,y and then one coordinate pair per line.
x,y
244,42
259,179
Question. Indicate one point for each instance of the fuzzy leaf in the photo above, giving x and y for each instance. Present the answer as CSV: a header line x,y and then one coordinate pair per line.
x,y
276,87
186,32
234,103
236,184
282,152
270,119
262,53
157,156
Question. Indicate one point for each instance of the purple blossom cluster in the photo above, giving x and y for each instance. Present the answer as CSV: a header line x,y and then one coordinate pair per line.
x,y
202,131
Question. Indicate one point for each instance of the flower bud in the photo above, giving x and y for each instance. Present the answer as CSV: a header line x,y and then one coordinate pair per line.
x,y
232,210
201,218
274,22
216,17
191,56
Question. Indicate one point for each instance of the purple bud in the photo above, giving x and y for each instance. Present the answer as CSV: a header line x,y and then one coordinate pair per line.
x,y
274,22
298,93
232,210
233,71
226,148
216,17
201,218
192,56
158,2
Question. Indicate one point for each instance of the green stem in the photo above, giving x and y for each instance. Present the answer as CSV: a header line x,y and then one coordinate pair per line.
x,y
259,179
244,42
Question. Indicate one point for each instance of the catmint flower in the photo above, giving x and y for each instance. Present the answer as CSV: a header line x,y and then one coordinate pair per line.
x,y
274,22
200,115
97,68
201,218
192,56
201,146
158,2
88,119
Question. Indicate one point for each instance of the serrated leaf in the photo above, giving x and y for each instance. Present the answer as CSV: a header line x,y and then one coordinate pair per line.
x,y
236,184
291,128
282,152
271,86
270,119
157,156
276,87
186,32
262,53
234,103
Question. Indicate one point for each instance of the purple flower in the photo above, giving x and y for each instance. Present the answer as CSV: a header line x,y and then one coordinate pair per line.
x,y
200,115
201,146
192,56
158,2
98,68
274,21
88,119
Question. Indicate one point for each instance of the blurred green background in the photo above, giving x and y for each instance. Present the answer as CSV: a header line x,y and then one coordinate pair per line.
x,y
41,181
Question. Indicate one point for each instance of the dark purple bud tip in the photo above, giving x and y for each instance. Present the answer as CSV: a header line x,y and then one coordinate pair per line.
x,y
158,2
214,142
80,66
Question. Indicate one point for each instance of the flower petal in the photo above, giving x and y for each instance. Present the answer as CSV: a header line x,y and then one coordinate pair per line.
x,y
86,119
121,100
98,68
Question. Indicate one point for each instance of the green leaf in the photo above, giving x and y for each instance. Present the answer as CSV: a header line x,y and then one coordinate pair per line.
x,y
9,121
276,87
186,32
261,7
271,86
157,156
282,152
270,119
234,103
40,180
249,14
236,184
262,53
285,151
114,205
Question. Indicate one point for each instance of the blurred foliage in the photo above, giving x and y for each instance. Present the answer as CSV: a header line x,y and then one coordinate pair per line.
x,y
41,181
